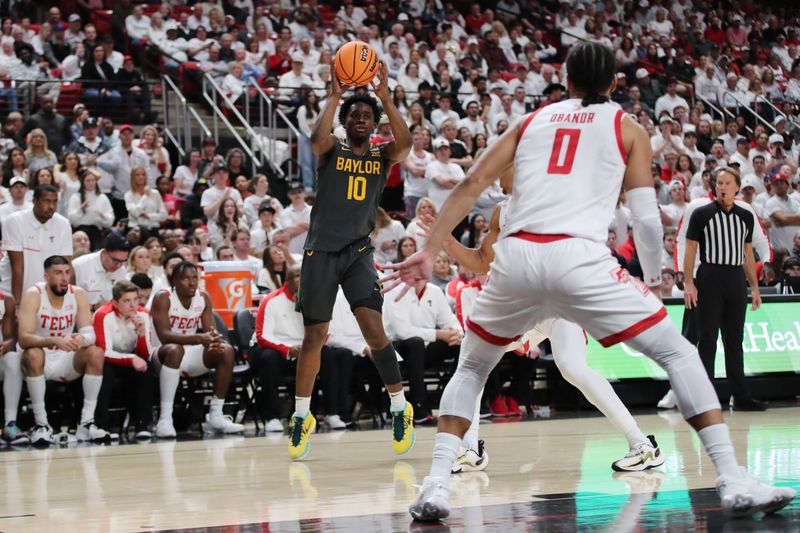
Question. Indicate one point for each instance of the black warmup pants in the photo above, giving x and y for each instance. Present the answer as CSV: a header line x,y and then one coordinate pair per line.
x,y
271,368
721,306
335,373
416,358
138,390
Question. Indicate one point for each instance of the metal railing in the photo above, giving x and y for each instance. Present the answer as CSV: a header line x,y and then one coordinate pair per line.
x,y
269,122
251,143
727,95
764,99
181,119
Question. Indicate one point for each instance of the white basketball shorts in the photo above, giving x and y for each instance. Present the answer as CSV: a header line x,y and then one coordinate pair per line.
x,y
192,363
59,366
539,277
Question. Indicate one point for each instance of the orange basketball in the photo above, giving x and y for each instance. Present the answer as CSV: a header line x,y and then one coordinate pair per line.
x,y
356,63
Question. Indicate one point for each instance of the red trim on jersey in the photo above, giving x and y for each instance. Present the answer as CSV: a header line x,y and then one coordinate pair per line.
x,y
526,122
459,308
631,332
539,237
262,342
490,337
618,133
585,337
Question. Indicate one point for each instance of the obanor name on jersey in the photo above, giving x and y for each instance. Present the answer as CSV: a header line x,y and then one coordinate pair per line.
x,y
358,166
580,117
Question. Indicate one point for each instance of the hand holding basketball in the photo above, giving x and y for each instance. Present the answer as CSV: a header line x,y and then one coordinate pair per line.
x,y
355,64
380,83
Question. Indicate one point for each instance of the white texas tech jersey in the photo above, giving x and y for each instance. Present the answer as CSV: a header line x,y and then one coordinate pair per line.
x,y
569,166
52,322
182,321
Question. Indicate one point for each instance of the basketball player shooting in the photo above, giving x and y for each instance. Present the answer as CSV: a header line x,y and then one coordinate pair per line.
x,y
351,176
570,159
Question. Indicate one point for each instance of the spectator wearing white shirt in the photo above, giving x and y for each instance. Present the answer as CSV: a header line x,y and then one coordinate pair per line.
x,y
506,112
289,83
119,161
784,212
669,101
17,189
187,174
240,241
296,219
74,35
197,18
310,57
137,25
444,111
222,226
473,121
40,232
90,210
706,84
122,330
385,236
675,209
214,196
144,204
661,26
412,170
233,84
731,137
425,332
96,273
443,175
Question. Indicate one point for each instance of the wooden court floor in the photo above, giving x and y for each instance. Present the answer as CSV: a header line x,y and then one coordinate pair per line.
x,y
544,475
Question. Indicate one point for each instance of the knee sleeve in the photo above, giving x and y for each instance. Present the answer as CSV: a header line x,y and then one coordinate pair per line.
x,y
687,376
477,360
386,363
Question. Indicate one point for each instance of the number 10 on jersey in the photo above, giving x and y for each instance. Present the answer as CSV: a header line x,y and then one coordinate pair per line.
x,y
356,188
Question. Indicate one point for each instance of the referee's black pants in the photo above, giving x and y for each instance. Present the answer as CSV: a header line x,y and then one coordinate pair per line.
x,y
721,306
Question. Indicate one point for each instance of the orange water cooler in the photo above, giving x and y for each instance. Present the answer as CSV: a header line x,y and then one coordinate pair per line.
x,y
228,284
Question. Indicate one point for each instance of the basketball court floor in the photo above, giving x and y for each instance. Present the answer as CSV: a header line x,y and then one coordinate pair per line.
x,y
544,475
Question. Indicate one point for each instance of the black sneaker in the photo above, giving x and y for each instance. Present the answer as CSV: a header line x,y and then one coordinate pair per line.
x,y
749,404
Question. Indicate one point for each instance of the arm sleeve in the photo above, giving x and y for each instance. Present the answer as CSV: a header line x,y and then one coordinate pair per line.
x,y
265,329
680,238
648,233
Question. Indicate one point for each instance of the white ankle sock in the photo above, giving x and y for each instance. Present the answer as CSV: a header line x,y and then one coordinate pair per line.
x,y
91,388
215,407
445,451
635,436
36,390
717,442
168,385
302,404
398,400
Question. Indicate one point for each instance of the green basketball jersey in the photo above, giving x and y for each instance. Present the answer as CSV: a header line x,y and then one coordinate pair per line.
x,y
349,190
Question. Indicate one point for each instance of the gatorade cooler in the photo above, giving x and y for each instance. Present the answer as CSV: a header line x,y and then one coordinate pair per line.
x,y
228,285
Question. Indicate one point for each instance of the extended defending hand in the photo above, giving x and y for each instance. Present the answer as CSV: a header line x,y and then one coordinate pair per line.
x,y
416,268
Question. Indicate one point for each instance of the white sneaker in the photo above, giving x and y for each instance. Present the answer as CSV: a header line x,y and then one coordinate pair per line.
x,y
335,422
643,457
42,436
91,433
143,435
165,429
221,424
746,495
471,460
432,503
274,426
669,401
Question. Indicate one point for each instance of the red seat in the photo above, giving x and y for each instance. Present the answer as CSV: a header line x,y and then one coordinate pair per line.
x,y
102,21
507,76
71,94
177,10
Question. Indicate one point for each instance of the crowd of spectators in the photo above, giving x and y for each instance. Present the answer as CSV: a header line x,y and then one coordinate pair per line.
x,y
715,84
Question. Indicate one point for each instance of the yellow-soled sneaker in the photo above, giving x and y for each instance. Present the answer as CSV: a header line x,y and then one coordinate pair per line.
x,y
300,430
403,430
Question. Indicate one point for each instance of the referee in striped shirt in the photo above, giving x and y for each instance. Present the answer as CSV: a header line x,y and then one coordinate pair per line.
x,y
724,233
